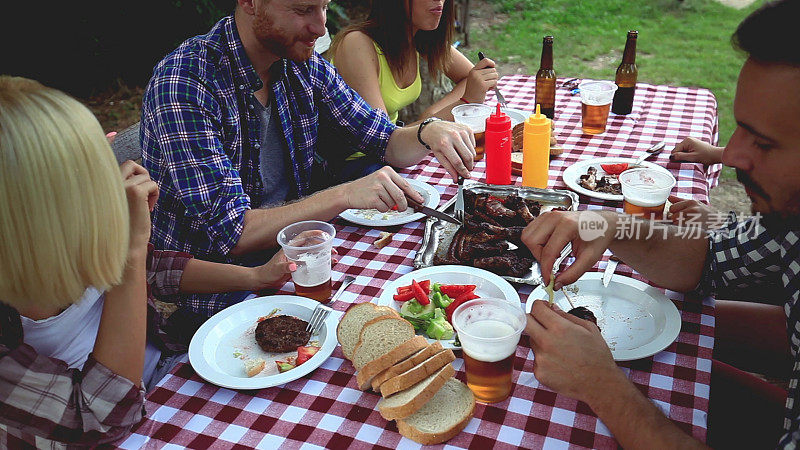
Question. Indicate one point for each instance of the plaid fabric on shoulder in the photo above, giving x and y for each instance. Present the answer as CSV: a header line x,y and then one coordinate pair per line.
x,y
745,254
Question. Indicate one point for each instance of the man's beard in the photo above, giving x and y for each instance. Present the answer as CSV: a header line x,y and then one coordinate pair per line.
x,y
787,218
275,42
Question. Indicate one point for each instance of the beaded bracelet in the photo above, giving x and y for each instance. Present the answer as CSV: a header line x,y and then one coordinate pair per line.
x,y
423,125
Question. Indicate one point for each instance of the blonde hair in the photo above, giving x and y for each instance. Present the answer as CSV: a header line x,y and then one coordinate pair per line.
x,y
63,211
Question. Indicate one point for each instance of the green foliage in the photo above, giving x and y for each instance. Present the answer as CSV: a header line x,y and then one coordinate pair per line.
x,y
683,43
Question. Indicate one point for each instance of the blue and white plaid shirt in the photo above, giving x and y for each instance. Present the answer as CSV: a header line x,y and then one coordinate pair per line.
x,y
201,144
745,254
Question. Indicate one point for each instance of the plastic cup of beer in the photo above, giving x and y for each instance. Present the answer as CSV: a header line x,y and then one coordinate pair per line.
x,y
645,192
596,98
474,115
489,331
308,244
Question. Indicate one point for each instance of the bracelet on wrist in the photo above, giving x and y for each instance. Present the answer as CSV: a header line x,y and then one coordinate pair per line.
x,y
423,125
464,100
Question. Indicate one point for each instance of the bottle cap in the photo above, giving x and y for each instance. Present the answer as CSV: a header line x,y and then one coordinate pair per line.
x,y
498,121
537,123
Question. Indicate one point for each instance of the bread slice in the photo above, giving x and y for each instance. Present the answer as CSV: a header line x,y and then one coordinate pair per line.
x,y
407,402
254,367
441,417
379,336
350,325
417,373
403,365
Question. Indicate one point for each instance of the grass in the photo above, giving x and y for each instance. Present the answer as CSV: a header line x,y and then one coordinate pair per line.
x,y
680,43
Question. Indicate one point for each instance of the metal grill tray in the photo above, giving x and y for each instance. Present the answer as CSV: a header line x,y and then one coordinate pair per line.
x,y
439,233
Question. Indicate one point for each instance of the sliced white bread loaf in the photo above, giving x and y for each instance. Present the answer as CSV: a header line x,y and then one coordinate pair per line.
x,y
403,365
441,417
365,375
417,373
350,325
409,401
380,336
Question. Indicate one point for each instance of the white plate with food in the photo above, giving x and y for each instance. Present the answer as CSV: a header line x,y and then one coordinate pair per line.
x,y
225,348
375,218
637,320
487,285
572,175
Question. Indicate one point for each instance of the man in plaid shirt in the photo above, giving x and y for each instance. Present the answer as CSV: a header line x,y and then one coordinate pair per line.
x,y
571,355
241,117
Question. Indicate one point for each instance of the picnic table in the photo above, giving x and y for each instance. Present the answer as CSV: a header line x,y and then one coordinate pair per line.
x,y
325,409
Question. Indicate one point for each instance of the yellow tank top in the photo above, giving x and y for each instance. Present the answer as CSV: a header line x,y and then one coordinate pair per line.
x,y
394,97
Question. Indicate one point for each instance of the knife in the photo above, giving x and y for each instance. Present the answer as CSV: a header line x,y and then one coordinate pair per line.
x,y
611,266
419,207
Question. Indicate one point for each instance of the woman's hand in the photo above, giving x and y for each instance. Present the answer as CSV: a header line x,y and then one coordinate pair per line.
x,y
695,150
481,78
278,270
142,193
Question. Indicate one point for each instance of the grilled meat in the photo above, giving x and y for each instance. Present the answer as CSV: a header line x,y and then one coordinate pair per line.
x,y
584,313
281,334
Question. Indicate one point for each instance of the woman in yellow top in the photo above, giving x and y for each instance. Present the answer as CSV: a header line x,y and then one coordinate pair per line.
x,y
379,58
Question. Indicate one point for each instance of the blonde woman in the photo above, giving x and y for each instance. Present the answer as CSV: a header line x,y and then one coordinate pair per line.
x,y
74,274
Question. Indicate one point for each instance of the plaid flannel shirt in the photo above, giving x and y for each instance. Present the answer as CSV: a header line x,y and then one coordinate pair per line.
x,y
201,145
745,254
45,404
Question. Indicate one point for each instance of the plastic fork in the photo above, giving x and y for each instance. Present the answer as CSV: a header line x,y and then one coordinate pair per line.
x,y
321,312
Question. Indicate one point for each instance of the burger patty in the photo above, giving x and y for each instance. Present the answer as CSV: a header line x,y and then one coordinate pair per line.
x,y
281,334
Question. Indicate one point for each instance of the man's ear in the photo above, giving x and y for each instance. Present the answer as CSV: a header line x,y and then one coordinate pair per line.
x,y
248,6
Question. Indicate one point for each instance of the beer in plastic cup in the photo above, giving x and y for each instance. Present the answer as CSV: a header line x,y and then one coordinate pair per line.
x,y
596,97
489,331
308,244
645,192
474,115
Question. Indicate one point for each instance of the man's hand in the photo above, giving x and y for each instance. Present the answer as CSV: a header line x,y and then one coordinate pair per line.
x,y
381,190
693,213
695,150
453,144
547,235
481,78
570,355
142,193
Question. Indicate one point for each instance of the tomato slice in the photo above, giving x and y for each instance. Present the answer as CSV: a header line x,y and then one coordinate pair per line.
x,y
419,293
614,169
305,353
404,296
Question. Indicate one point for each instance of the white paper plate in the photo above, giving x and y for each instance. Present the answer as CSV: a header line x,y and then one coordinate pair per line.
x,y
637,320
488,285
375,218
213,347
572,174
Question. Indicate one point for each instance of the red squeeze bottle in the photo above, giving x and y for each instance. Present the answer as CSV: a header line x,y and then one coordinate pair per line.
x,y
498,148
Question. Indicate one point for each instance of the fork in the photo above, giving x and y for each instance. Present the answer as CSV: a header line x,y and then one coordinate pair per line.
x,y
497,93
321,312
458,210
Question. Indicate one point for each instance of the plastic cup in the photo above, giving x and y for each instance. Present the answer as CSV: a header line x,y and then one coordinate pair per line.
x,y
474,115
308,244
489,331
645,192
596,98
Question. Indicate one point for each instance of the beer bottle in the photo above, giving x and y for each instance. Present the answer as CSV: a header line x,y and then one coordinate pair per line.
x,y
546,80
627,72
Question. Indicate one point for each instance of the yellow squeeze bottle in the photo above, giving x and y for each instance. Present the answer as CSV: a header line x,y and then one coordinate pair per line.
x,y
536,150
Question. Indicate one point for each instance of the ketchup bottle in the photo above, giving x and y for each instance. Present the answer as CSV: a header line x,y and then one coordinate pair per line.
x,y
536,150
498,148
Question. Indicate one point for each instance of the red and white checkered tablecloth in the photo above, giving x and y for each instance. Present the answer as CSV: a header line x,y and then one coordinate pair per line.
x,y
325,409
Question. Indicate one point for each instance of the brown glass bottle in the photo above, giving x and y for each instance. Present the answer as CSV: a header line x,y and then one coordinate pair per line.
x,y
546,80
627,72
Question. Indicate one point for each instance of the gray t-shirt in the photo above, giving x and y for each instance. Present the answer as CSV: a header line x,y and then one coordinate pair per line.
x,y
273,162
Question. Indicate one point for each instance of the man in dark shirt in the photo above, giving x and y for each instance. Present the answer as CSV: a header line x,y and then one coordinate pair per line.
x,y
571,355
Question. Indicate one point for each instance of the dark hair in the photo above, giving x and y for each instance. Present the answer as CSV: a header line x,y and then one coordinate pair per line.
x,y
770,33
389,25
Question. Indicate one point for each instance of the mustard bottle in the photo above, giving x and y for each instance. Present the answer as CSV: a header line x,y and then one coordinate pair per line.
x,y
536,150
